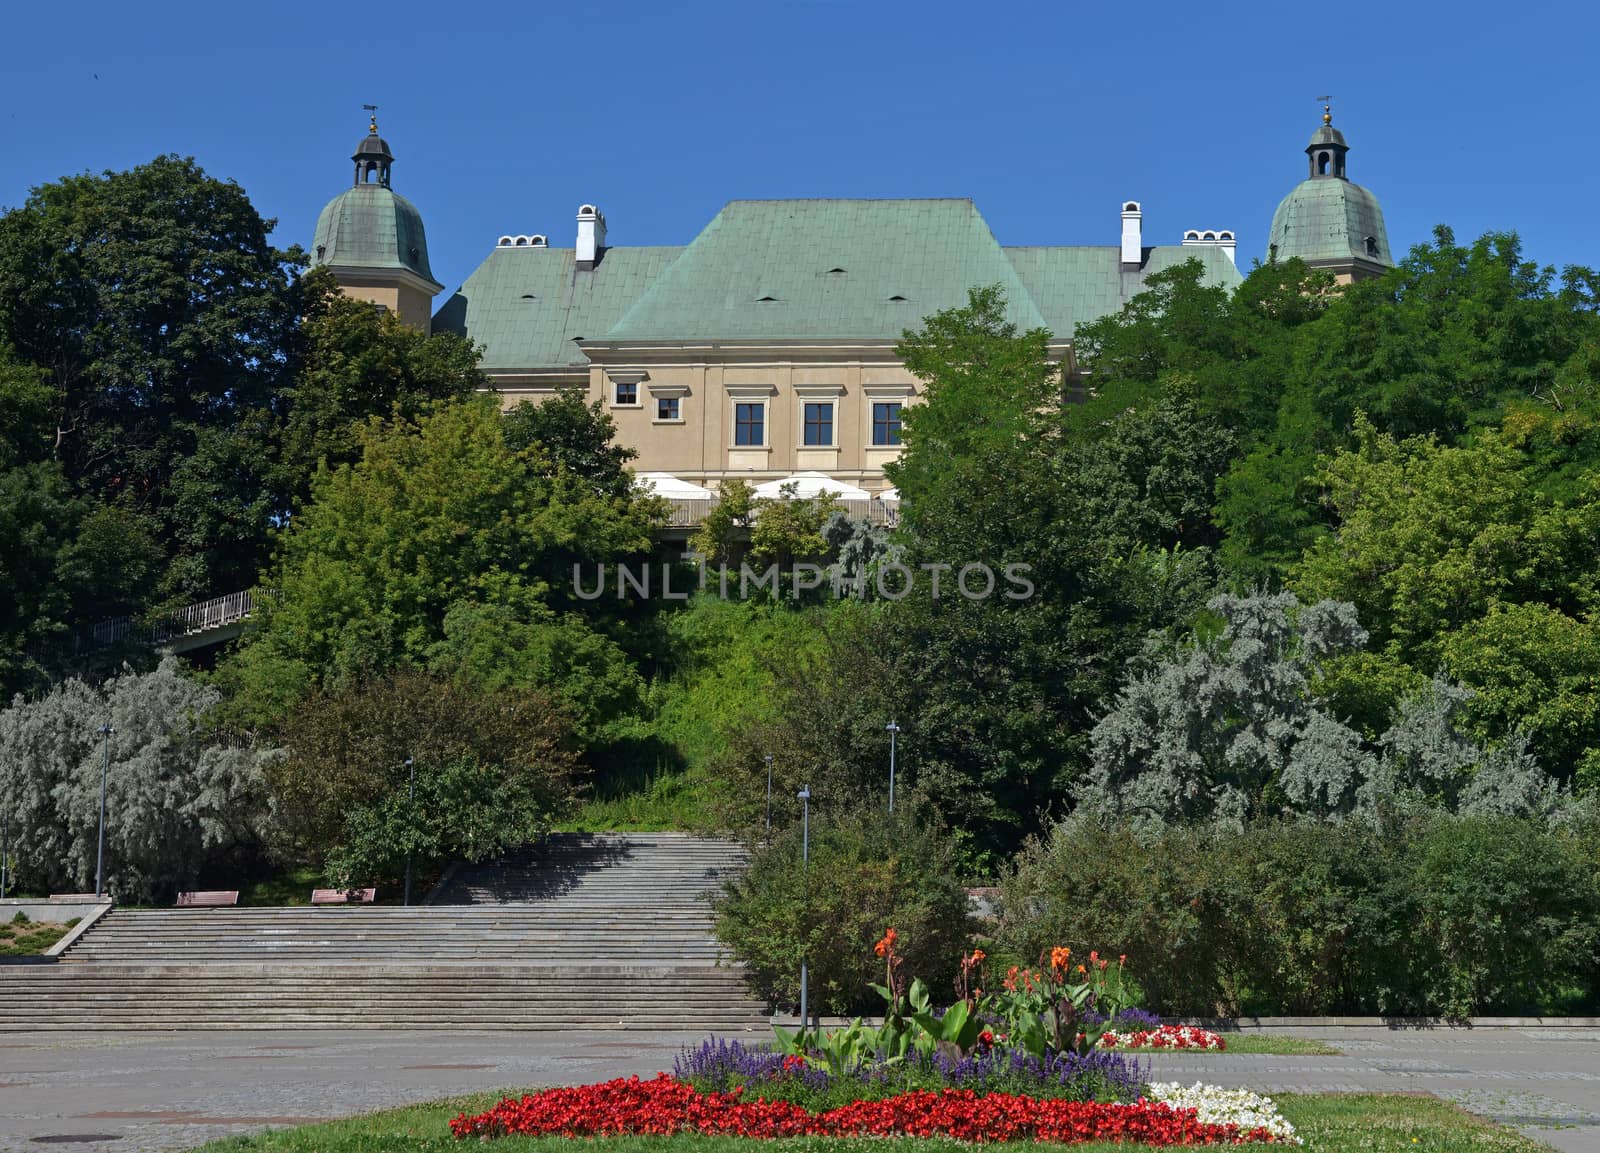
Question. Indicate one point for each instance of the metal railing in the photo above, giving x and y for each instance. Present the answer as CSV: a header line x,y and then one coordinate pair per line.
x,y
192,620
687,512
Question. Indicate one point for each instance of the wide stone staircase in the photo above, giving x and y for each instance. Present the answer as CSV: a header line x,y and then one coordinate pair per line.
x,y
578,932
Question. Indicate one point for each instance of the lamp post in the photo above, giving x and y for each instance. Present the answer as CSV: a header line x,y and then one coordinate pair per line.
x,y
892,729
5,851
411,821
768,759
100,850
805,860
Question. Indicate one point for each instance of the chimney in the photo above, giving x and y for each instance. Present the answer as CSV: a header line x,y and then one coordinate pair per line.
x,y
1210,238
1132,241
591,236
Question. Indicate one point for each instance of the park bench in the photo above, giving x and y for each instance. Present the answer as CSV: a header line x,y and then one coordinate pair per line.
x,y
343,896
208,898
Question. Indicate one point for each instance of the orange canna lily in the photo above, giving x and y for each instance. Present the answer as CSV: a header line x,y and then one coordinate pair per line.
x,y
1059,957
886,946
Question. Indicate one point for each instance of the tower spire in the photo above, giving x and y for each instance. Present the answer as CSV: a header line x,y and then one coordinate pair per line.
x,y
372,155
1325,101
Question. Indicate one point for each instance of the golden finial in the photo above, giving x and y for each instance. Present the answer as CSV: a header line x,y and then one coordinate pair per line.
x,y
372,108
1327,109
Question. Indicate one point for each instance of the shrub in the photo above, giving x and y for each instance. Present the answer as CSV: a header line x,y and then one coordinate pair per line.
x,y
493,767
1511,912
866,871
1435,915
1164,903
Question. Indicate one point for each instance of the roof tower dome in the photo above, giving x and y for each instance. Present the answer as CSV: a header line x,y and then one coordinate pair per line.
x,y
371,237
1328,221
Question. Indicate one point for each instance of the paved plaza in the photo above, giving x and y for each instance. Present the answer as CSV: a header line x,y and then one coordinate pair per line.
x,y
119,1092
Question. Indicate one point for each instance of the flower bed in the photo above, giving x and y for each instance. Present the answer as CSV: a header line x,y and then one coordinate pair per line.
x,y
719,1066
1217,1106
1162,1037
666,1105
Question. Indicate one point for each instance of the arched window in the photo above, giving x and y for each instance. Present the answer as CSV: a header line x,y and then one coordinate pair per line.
x,y
1322,164
1372,246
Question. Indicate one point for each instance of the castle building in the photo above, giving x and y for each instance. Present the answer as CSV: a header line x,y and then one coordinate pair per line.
x,y
764,348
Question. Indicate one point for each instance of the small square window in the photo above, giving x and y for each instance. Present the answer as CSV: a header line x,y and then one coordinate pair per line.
x,y
819,423
627,392
886,423
667,408
750,424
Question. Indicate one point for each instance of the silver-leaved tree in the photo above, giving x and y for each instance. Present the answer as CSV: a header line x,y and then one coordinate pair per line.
x,y
176,799
1226,726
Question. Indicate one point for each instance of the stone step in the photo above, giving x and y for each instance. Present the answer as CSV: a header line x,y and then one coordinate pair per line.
x,y
579,931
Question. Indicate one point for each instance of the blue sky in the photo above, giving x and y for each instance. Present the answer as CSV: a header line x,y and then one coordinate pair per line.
x,y
504,117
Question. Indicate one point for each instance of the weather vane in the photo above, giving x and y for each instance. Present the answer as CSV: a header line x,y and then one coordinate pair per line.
x,y
373,108
1327,108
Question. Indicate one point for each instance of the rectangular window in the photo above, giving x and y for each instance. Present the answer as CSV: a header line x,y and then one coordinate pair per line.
x,y
886,423
627,392
667,408
819,423
750,424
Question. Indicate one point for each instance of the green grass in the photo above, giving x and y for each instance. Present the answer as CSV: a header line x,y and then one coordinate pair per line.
x,y
662,802
1273,1043
1330,1123
288,888
21,937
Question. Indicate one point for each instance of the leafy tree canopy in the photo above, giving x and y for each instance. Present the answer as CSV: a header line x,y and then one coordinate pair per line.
x,y
445,547
160,316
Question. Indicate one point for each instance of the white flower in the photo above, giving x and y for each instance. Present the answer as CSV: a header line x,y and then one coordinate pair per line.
x,y
1214,1105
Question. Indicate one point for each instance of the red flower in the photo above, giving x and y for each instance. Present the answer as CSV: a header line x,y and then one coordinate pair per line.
x,y
665,1106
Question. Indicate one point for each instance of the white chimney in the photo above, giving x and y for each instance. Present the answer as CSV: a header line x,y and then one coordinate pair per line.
x,y
1212,238
1132,240
591,236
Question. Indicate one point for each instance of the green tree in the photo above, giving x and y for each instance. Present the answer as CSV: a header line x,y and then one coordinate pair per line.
x,y
720,534
162,316
356,362
1148,479
792,530
440,532
575,436
1429,536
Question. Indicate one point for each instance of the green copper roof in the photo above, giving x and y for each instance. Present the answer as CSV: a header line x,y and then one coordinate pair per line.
x,y
529,307
370,226
820,269
1072,286
1327,220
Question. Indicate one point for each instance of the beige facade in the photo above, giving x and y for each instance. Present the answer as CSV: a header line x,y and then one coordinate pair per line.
x,y
679,407
409,301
